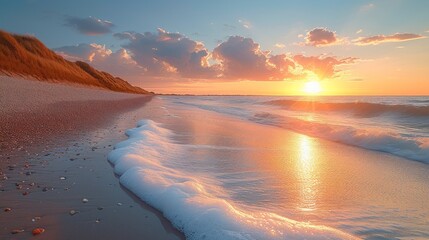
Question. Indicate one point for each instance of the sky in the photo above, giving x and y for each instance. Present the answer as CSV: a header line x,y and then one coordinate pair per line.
x,y
272,47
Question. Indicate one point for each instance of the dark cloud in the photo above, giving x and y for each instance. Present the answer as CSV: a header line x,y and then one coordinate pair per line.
x,y
164,52
89,25
378,39
321,37
242,58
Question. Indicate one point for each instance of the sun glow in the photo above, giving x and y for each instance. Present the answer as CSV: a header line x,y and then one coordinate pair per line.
x,y
312,87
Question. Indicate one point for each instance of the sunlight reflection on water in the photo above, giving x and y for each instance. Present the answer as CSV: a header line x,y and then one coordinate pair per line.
x,y
306,169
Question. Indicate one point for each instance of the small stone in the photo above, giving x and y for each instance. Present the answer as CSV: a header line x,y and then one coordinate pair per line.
x,y
35,219
63,178
45,189
119,204
16,231
85,200
7,209
38,231
25,193
100,208
97,220
73,212
28,173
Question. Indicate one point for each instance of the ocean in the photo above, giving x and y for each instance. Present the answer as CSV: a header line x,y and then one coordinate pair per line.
x,y
253,167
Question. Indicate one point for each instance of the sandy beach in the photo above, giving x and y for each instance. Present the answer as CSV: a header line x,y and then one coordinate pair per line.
x,y
54,173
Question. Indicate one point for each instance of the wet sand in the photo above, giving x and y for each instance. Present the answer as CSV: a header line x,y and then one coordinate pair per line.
x,y
53,170
370,194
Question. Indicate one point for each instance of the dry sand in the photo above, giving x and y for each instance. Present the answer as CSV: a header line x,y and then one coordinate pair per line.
x,y
54,140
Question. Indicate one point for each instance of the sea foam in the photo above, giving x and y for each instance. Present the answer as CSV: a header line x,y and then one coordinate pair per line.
x,y
189,202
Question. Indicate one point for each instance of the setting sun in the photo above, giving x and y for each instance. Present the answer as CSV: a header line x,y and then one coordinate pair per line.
x,y
312,87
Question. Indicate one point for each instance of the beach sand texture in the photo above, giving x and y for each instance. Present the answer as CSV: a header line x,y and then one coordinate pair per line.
x,y
54,142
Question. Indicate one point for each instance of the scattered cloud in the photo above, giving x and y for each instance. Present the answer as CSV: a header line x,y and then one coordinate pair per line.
x,y
242,58
90,25
319,37
323,67
367,7
279,45
119,63
359,31
244,23
229,27
378,39
174,57
164,52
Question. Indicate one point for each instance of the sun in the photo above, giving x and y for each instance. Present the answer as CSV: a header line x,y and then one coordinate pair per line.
x,y
312,87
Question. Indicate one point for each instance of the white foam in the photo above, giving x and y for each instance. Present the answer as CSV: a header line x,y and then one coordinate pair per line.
x,y
189,202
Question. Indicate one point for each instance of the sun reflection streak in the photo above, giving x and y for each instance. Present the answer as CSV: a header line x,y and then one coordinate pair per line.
x,y
307,174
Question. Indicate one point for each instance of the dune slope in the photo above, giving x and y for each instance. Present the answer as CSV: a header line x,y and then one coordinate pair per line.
x,y
27,56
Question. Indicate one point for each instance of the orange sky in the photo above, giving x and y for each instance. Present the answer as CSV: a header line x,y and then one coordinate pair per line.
x,y
362,47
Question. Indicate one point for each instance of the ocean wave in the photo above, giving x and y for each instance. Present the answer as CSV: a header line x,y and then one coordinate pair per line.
x,y
413,148
189,202
359,109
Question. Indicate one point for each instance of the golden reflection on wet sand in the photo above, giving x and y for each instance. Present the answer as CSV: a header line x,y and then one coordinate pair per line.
x,y
307,173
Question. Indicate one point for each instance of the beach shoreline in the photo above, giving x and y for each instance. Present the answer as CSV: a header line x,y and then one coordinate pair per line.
x,y
55,174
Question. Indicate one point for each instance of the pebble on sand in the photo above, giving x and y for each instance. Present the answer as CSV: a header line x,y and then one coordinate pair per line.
x,y
16,231
73,212
7,209
85,200
38,231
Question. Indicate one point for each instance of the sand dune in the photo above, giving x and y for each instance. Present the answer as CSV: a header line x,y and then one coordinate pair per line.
x,y
27,56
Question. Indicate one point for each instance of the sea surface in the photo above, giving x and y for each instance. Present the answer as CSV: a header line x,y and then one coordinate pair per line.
x,y
252,167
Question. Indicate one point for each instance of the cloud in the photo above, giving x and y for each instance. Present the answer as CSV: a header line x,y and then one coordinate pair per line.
x,y
89,26
119,62
164,52
169,57
367,7
244,23
359,31
242,58
319,37
323,67
378,39
229,27
279,45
